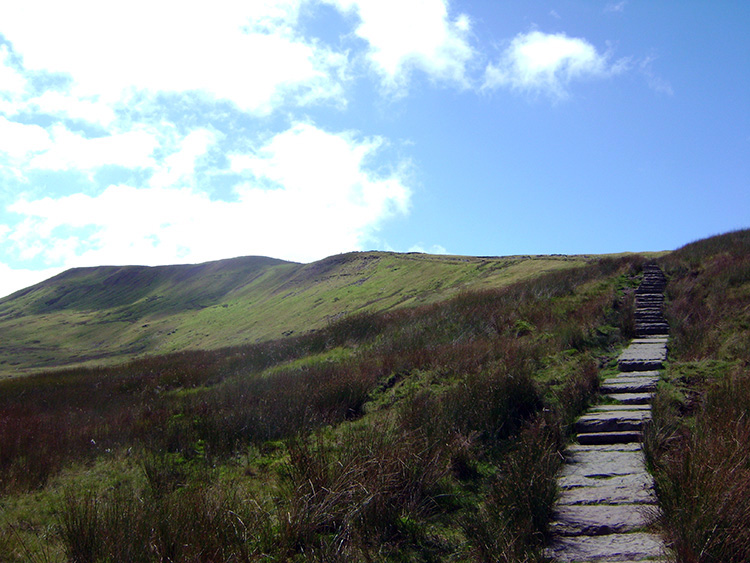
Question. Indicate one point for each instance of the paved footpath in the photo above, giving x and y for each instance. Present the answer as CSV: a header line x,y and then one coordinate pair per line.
x,y
607,499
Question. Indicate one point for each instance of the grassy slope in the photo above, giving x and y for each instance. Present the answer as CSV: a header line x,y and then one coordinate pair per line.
x,y
699,445
114,313
425,433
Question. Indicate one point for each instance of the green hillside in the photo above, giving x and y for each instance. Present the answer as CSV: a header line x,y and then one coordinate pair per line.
x,y
106,314
426,433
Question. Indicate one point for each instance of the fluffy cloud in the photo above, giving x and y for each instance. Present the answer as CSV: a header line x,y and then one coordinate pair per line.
x,y
12,279
541,62
12,82
179,167
17,140
245,52
403,35
69,150
330,200
68,106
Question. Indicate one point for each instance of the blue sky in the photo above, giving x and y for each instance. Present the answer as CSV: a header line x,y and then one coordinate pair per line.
x,y
161,133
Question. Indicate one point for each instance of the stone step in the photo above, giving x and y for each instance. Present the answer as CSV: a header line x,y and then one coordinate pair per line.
x,y
646,350
608,491
655,289
654,318
628,387
637,398
651,287
623,421
645,362
640,373
640,480
650,340
605,494
654,324
598,519
649,301
619,408
649,309
631,382
650,330
638,546
609,438
649,315
640,376
603,461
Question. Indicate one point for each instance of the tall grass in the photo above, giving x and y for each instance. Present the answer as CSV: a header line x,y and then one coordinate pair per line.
x,y
703,475
699,443
708,295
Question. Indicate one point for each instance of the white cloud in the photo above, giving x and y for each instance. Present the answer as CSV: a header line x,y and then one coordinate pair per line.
x,y
245,52
309,194
12,279
66,105
434,249
654,81
403,35
179,167
616,7
12,82
132,149
18,140
541,62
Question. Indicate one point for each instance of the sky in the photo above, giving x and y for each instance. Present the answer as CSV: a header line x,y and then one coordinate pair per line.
x,y
183,131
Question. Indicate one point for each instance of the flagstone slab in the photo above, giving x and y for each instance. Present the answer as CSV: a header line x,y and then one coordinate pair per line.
x,y
634,386
637,546
650,340
606,438
611,408
630,398
642,480
606,492
611,421
639,373
602,465
631,379
598,519
576,448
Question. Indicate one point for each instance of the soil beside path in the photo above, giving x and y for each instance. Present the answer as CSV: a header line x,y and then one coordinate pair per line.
x,y
607,499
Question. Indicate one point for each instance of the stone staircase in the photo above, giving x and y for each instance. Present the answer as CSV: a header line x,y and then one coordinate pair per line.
x,y
606,495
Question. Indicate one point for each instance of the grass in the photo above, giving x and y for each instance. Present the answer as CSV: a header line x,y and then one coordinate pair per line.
x,y
699,444
92,316
426,433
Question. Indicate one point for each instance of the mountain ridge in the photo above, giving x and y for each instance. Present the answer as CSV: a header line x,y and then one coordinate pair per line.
x,y
107,314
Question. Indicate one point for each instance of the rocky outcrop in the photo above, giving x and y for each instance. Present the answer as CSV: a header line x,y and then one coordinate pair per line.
x,y
606,497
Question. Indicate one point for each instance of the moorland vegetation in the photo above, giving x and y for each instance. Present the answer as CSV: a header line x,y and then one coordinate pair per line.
x,y
427,433
699,445
109,314
422,433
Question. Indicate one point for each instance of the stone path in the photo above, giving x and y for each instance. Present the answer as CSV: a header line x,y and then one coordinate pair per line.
x,y
607,499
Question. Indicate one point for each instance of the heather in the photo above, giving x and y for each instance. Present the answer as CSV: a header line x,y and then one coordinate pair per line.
x,y
699,444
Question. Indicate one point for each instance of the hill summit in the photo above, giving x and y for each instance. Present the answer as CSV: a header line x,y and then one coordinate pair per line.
x,y
108,314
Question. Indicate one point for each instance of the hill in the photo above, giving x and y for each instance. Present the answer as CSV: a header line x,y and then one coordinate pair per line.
x,y
425,433
113,313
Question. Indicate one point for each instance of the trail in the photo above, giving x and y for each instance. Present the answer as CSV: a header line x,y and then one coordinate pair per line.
x,y
607,495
